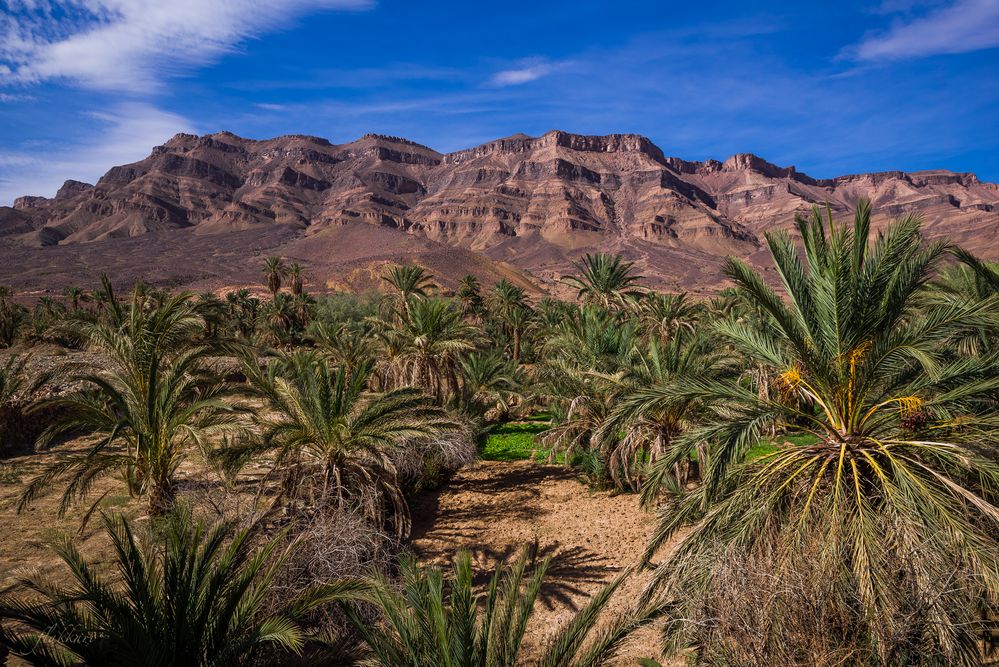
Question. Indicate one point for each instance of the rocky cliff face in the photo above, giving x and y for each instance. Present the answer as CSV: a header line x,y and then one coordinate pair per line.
x,y
533,201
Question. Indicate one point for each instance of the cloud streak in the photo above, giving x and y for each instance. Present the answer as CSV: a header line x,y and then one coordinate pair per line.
x,y
123,135
529,70
965,25
131,45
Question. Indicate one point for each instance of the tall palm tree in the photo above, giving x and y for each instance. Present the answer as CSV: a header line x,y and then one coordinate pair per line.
x,y
196,598
76,295
296,274
408,282
438,621
243,308
892,501
508,305
604,279
144,409
469,294
333,440
274,272
435,337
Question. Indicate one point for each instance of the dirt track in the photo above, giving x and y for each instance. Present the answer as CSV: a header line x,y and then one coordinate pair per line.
x,y
495,509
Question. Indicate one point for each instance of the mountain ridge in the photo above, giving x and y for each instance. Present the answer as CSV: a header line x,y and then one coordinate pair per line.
x,y
534,203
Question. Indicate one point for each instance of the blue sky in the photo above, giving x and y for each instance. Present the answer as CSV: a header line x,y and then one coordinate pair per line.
x,y
830,87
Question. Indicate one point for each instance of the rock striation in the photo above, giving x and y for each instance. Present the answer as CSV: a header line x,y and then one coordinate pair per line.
x,y
535,202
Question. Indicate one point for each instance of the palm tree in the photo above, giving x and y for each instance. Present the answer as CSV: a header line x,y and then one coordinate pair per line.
x,y
196,598
243,309
213,311
75,295
647,417
12,316
508,304
438,621
346,344
663,315
488,382
18,386
434,337
274,271
296,275
280,315
408,282
144,409
333,440
469,294
604,279
583,360
891,501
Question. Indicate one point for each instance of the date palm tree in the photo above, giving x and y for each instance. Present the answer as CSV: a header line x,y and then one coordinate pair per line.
x,y
440,621
334,440
647,417
434,338
508,305
243,309
347,344
469,294
150,403
408,282
604,279
663,315
76,296
18,387
296,275
488,382
195,598
274,272
891,501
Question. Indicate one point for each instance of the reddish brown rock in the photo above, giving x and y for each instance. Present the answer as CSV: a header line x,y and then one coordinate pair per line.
x,y
533,202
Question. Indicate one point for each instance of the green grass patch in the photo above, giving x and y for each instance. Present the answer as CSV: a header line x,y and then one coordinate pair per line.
x,y
766,447
514,441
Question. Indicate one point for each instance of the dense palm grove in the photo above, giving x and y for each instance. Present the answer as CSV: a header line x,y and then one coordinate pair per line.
x,y
819,452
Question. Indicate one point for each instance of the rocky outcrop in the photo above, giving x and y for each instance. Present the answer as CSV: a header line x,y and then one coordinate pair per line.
x,y
524,199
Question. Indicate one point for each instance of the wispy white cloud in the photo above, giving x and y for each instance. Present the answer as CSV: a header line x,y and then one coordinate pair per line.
x,y
959,27
123,135
11,98
133,44
527,71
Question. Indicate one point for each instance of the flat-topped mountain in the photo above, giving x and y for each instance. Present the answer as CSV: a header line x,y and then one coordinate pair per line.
x,y
534,203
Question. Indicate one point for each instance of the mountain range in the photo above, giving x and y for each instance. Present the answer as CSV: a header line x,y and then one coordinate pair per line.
x,y
202,211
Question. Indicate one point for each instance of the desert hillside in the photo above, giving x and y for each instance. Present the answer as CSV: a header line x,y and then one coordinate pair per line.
x,y
201,209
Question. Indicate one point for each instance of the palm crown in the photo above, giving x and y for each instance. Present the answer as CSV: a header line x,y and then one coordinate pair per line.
x,y
901,456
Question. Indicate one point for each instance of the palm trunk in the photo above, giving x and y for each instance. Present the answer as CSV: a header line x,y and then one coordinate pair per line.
x,y
161,498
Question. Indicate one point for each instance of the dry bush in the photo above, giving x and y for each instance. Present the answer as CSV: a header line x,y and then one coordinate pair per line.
x,y
326,547
426,463
771,609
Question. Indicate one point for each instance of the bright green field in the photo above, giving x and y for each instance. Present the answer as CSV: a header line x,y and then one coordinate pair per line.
x,y
513,442
516,441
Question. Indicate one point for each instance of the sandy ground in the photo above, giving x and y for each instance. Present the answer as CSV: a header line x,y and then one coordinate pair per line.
x,y
497,508
492,510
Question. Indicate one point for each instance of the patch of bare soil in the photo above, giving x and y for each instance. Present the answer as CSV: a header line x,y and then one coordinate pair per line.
x,y
496,509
